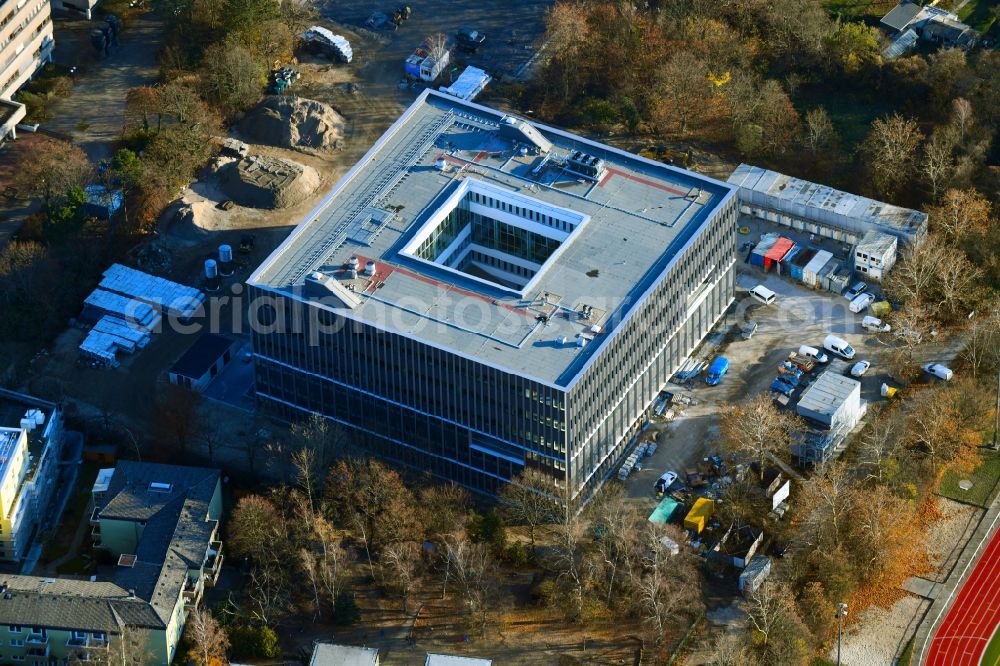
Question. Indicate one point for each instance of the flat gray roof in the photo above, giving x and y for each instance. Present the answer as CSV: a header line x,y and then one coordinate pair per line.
x,y
828,393
640,213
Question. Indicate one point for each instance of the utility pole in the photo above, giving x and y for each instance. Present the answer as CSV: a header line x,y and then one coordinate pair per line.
x,y
841,614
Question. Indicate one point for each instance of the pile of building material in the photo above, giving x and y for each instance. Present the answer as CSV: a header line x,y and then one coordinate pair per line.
x,y
167,297
293,122
127,307
320,40
101,303
258,181
469,84
632,461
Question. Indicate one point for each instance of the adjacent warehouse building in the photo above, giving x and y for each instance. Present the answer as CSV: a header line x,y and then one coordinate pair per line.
x,y
25,46
481,294
31,440
822,210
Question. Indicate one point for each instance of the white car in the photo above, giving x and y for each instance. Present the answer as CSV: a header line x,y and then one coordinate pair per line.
x,y
875,325
860,368
939,371
664,482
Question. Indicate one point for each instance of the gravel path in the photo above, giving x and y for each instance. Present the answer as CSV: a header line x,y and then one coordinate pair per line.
x,y
879,634
946,538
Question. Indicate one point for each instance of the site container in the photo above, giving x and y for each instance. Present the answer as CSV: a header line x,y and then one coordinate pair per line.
x,y
699,514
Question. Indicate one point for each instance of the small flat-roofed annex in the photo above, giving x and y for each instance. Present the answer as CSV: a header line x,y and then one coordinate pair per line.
x,y
516,244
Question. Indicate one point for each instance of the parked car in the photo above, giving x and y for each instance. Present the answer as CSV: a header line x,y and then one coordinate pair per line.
x,y
860,368
855,291
781,387
469,40
748,329
812,352
763,294
716,371
861,303
939,371
875,325
663,483
838,346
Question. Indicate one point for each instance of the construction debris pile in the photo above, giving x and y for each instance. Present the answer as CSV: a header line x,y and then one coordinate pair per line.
x,y
294,122
257,181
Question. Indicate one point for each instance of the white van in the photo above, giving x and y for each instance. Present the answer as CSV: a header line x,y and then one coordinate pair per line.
x,y
763,294
861,303
875,324
812,352
939,371
838,346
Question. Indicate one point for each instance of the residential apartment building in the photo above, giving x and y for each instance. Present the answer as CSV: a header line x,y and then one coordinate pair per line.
x,y
25,46
482,294
161,524
31,440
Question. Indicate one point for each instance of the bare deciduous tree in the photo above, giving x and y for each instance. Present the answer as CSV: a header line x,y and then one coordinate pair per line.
x,y
207,639
960,214
879,445
819,130
891,148
961,116
473,570
400,564
669,587
756,428
529,499
937,164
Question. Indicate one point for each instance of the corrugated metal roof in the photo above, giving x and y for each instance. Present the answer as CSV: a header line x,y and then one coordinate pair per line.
x,y
794,196
779,249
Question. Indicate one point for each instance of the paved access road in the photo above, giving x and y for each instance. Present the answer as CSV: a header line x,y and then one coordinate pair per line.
x,y
964,633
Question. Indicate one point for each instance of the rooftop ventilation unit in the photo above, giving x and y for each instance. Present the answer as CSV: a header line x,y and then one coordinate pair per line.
x,y
586,165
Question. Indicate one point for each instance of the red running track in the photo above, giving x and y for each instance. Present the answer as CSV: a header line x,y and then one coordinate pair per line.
x,y
967,628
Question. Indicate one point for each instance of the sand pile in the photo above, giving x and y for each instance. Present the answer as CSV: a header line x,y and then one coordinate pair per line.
x,y
257,181
294,122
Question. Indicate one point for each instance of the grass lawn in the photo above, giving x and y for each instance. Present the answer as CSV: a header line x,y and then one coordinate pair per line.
x,y
907,656
979,14
79,565
851,113
984,481
58,544
857,8
992,655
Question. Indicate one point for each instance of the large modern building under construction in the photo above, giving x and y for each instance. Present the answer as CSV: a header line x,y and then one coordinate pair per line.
x,y
481,294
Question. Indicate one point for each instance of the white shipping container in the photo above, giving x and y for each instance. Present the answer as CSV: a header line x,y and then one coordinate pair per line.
x,y
810,271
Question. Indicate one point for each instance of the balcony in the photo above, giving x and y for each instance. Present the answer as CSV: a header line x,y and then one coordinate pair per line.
x,y
192,594
75,642
38,653
95,521
38,639
213,565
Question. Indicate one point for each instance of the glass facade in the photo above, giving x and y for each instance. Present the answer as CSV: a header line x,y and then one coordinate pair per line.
x,y
414,403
